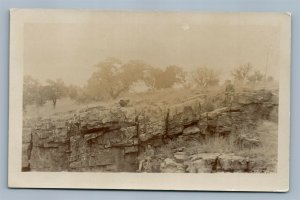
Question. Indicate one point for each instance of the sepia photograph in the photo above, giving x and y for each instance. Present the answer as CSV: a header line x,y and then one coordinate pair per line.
x,y
151,96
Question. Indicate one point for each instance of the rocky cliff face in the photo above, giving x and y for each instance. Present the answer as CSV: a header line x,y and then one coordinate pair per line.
x,y
113,139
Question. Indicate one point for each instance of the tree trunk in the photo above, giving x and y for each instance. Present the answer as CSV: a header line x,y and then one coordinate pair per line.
x,y
54,103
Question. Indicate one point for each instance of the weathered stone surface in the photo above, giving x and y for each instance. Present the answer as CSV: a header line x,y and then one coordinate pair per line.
x,y
181,116
258,96
170,166
26,148
109,139
103,158
180,156
151,124
113,115
224,120
215,113
246,141
233,163
44,134
26,136
202,163
129,132
198,166
214,162
132,149
191,130
91,136
53,159
236,109
26,155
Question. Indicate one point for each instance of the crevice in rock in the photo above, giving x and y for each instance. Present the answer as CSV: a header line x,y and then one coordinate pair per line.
x,y
137,128
29,150
215,164
165,136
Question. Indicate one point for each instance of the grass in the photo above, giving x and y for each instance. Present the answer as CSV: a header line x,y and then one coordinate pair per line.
x,y
268,134
156,98
266,154
63,105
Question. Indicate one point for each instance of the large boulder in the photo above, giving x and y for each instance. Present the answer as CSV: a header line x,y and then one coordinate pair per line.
x,y
233,163
202,162
181,156
191,130
181,116
151,123
171,166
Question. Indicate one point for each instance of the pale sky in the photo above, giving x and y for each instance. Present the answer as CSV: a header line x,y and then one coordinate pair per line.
x,y
71,51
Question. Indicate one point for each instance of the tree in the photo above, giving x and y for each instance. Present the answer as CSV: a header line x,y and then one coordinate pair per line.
x,y
133,71
73,91
256,77
205,77
35,93
242,73
41,96
54,90
30,91
188,81
170,76
110,79
79,94
156,78
151,77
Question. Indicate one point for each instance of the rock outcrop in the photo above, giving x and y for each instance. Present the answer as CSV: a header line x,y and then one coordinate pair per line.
x,y
111,140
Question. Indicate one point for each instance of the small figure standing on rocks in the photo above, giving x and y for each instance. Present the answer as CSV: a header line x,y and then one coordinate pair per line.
x,y
76,120
147,157
229,92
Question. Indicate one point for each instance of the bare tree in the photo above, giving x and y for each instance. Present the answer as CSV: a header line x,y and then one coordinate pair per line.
x,y
151,76
54,90
205,77
30,91
35,93
256,77
242,72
